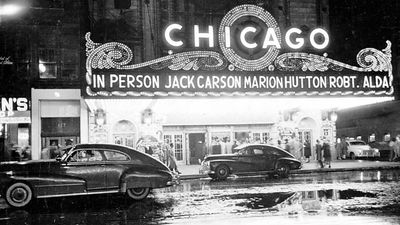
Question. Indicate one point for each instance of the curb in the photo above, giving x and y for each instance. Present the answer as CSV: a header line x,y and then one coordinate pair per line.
x,y
308,171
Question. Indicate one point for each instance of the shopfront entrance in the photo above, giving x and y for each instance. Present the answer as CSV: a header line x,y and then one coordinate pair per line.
x,y
197,147
124,133
307,129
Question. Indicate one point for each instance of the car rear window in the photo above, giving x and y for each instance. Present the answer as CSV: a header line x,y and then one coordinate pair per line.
x,y
115,156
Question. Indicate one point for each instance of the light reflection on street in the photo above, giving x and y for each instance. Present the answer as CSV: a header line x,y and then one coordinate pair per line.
x,y
358,197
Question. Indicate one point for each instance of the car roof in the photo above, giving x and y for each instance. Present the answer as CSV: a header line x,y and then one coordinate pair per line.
x,y
122,148
248,145
352,141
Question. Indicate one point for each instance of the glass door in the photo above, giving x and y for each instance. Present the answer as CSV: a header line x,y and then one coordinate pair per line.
x,y
177,141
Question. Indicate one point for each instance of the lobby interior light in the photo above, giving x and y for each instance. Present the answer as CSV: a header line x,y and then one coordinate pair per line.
x,y
333,116
100,117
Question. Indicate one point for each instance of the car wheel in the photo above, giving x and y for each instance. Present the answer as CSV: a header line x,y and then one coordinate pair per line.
x,y
352,156
138,193
283,170
222,172
18,195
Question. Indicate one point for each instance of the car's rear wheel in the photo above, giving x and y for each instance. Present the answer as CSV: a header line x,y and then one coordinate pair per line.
x,y
222,172
283,170
138,193
352,156
18,195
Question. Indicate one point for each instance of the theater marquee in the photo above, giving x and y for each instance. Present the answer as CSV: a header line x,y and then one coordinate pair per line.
x,y
268,72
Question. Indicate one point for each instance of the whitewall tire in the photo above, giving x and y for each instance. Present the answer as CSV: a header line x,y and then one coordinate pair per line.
x,y
138,193
18,195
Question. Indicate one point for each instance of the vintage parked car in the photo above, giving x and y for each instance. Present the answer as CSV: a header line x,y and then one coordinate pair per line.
x,y
84,169
248,159
358,148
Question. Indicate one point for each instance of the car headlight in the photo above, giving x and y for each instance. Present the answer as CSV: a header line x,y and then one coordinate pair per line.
x,y
376,150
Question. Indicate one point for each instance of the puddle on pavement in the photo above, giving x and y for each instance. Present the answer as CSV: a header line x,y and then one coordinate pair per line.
x,y
309,201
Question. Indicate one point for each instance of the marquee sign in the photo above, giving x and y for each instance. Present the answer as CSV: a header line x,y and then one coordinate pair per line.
x,y
230,72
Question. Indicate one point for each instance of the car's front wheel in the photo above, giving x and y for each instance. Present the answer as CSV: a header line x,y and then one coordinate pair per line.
x,y
18,195
352,156
283,170
138,193
222,172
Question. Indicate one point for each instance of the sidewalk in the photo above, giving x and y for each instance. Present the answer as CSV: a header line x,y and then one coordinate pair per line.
x,y
192,171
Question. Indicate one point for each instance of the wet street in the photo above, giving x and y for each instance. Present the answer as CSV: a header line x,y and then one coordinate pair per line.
x,y
369,197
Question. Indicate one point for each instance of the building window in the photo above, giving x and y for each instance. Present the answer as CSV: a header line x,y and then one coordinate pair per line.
x,y
256,138
47,64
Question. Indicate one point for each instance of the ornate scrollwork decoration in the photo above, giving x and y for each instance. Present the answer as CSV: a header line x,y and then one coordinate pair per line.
x,y
304,61
375,60
195,60
117,55
369,59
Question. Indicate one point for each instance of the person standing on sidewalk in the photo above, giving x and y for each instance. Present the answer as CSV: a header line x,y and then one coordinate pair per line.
x,y
318,149
392,146
327,152
171,158
396,149
307,150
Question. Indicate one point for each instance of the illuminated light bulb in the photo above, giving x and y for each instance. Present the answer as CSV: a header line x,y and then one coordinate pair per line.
x,y
42,68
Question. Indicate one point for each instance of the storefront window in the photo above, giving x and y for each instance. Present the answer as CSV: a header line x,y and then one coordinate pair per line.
x,y
60,126
242,137
261,137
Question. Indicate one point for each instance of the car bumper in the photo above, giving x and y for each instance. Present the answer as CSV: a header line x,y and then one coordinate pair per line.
x,y
368,153
174,181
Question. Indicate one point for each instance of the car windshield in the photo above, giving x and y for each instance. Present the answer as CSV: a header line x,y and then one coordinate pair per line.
x,y
65,153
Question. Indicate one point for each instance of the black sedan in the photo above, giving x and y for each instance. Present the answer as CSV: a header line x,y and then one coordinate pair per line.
x,y
249,159
84,169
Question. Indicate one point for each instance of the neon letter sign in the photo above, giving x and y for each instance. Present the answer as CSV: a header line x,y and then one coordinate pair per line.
x,y
167,35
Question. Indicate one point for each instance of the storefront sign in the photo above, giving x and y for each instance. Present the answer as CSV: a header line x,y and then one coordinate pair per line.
x,y
15,117
233,72
13,104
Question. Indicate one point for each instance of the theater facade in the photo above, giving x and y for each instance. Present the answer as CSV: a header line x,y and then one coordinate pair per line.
x,y
243,81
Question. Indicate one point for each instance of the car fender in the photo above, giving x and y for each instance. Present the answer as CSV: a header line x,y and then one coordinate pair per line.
x,y
215,163
49,186
293,163
144,179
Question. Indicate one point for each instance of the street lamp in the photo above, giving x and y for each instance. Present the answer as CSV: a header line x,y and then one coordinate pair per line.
x,y
9,9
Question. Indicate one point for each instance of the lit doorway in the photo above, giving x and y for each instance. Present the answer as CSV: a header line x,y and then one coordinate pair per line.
x,y
124,133
307,129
